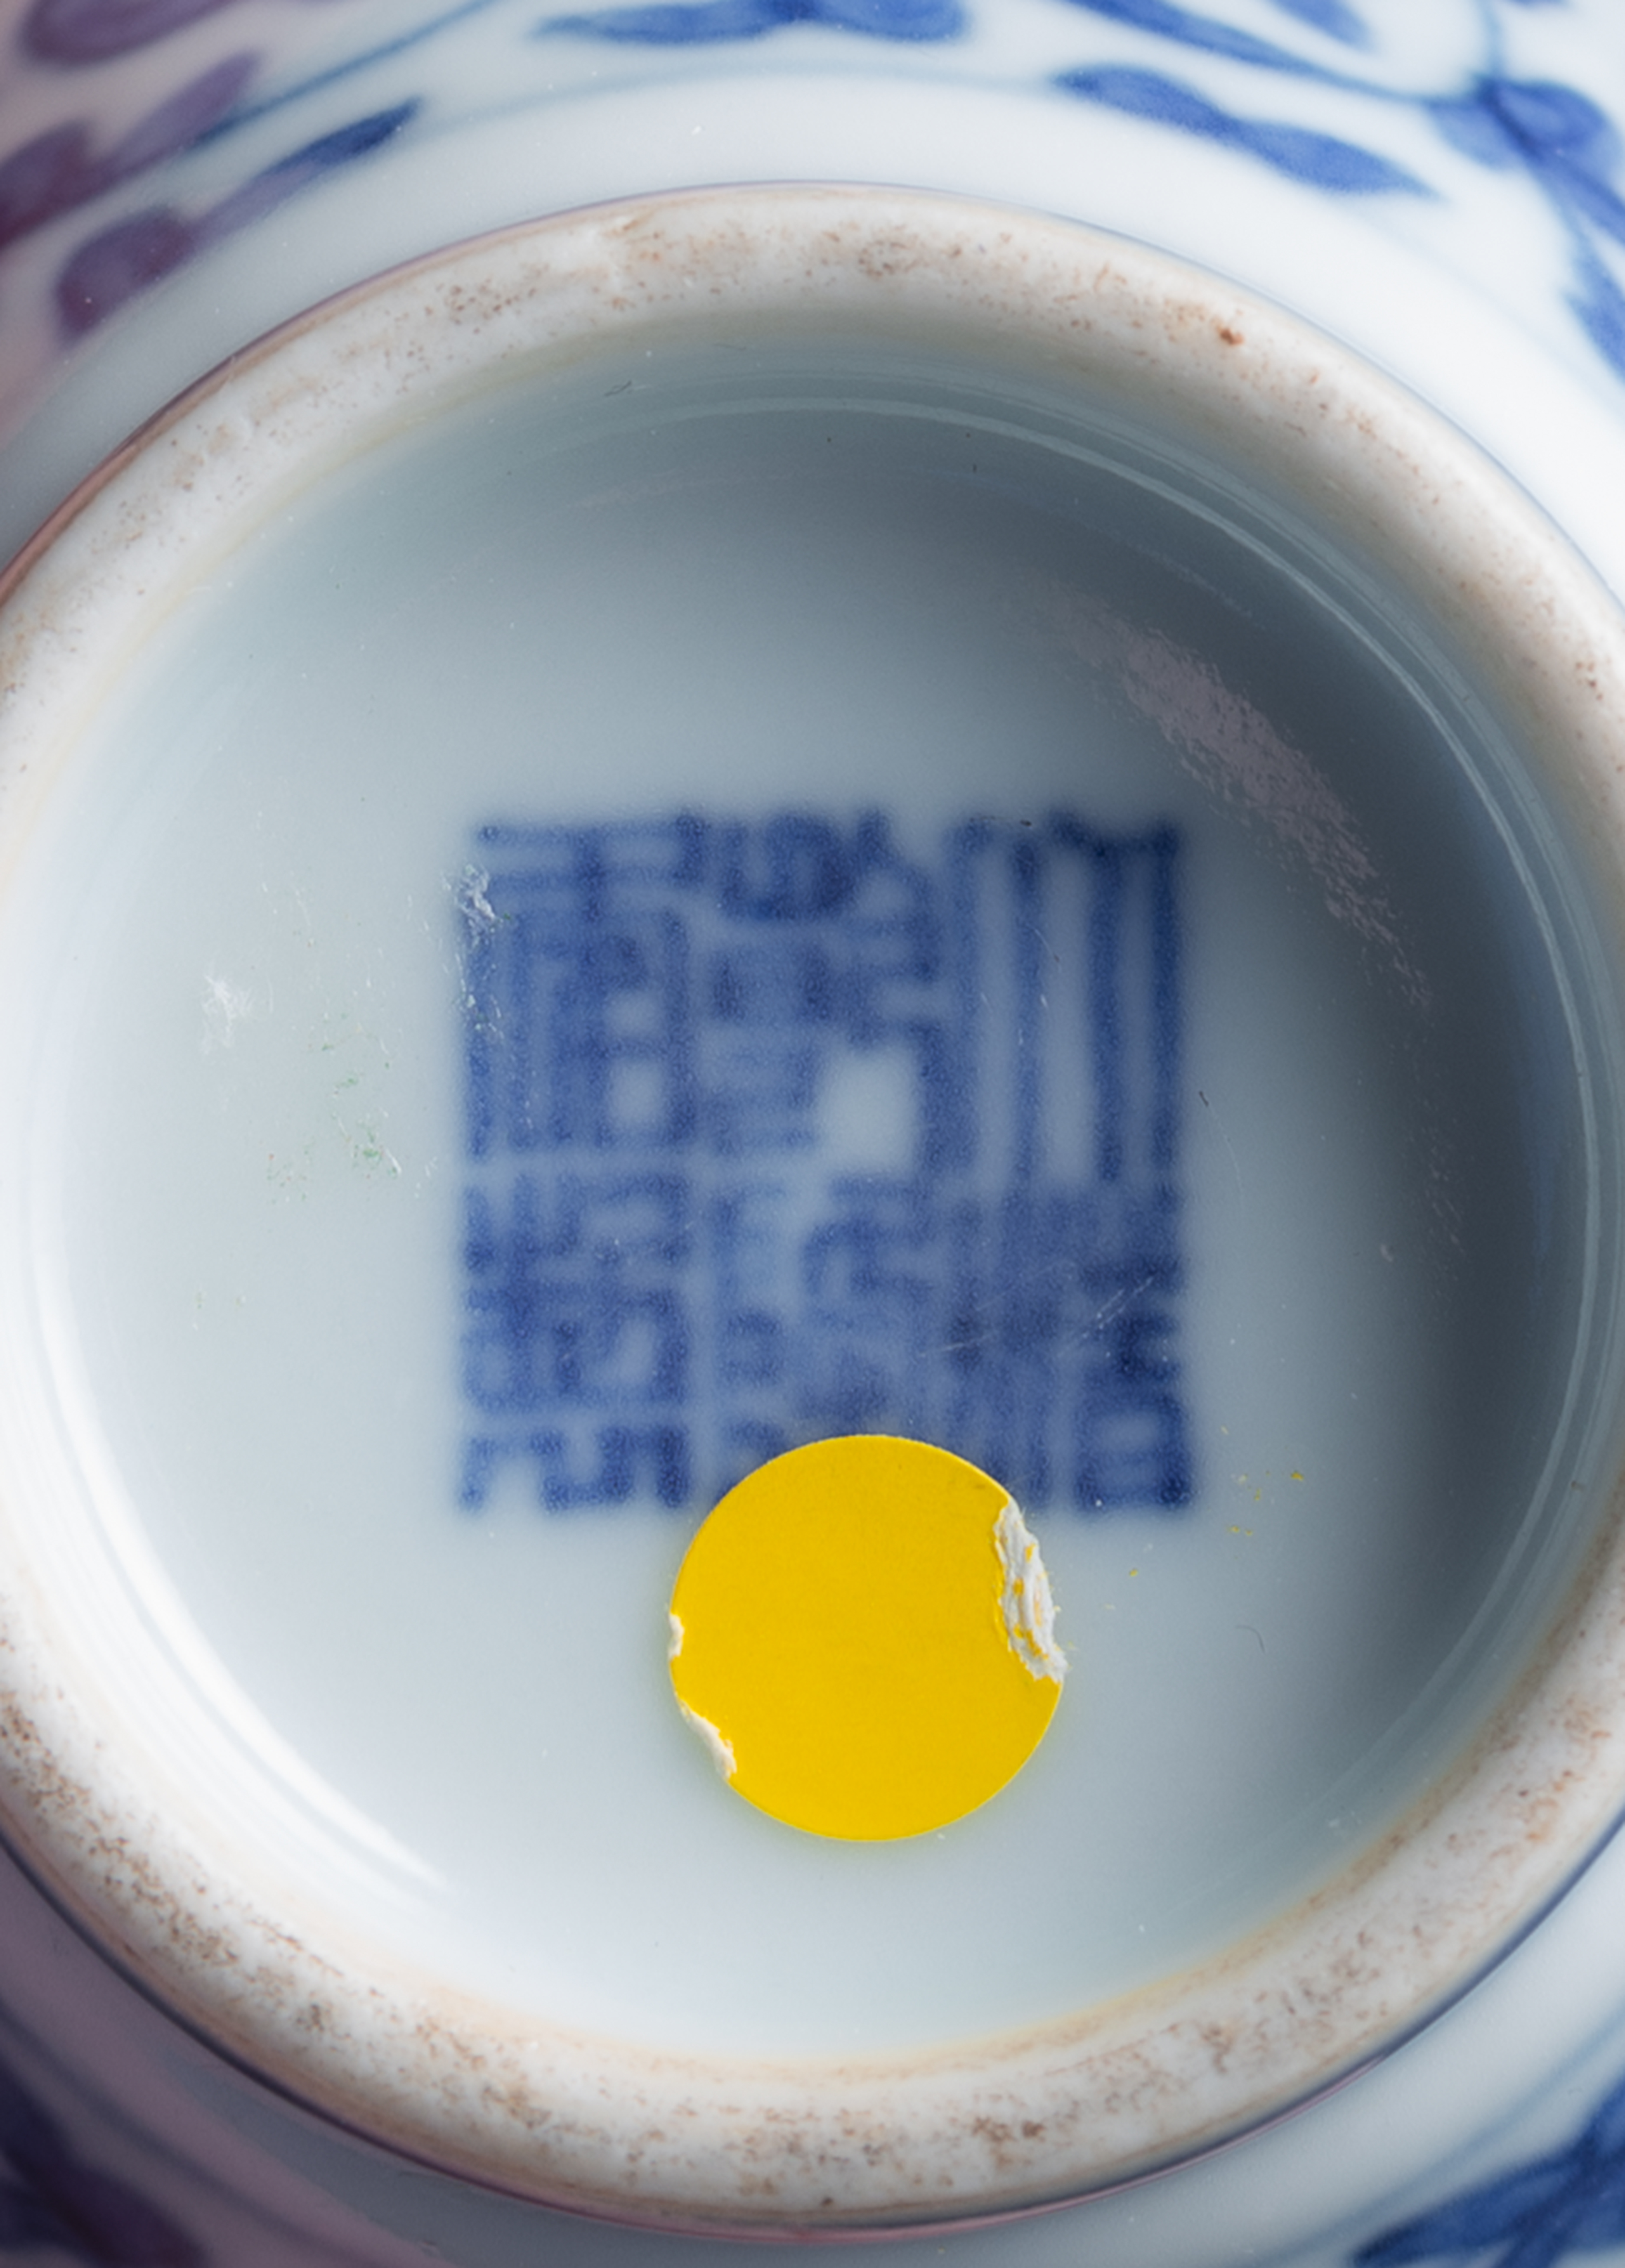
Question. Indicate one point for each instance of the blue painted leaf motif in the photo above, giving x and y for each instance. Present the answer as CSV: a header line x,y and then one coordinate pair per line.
x,y
58,170
1597,2223
1474,2222
1570,143
1557,133
329,151
678,23
1475,127
90,30
1601,205
1605,2130
1335,18
53,2197
1600,305
1531,123
1552,120
1207,33
893,19
1321,159
182,117
357,63
118,262
45,177
1541,2214
699,23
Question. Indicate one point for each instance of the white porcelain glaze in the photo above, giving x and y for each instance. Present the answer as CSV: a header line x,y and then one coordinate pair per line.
x,y
1478,293
252,1905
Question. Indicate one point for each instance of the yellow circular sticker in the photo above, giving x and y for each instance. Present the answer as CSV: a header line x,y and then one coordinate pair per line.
x,y
864,1635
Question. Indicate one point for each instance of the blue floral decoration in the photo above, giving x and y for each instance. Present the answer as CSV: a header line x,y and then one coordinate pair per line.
x,y
115,263
1562,141
1210,35
54,173
1322,159
1536,2216
1570,149
63,168
1333,17
92,31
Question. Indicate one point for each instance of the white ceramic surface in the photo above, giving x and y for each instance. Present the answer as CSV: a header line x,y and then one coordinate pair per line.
x,y
1492,295
1329,1755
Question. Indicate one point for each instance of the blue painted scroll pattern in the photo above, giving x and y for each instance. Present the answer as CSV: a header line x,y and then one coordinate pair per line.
x,y
1183,72
1536,2215
778,1131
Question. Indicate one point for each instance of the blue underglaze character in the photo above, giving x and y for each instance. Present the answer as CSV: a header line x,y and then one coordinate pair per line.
x,y
1536,2216
669,1272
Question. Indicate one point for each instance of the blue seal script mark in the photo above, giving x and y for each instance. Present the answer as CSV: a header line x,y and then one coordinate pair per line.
x,y
775,1131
